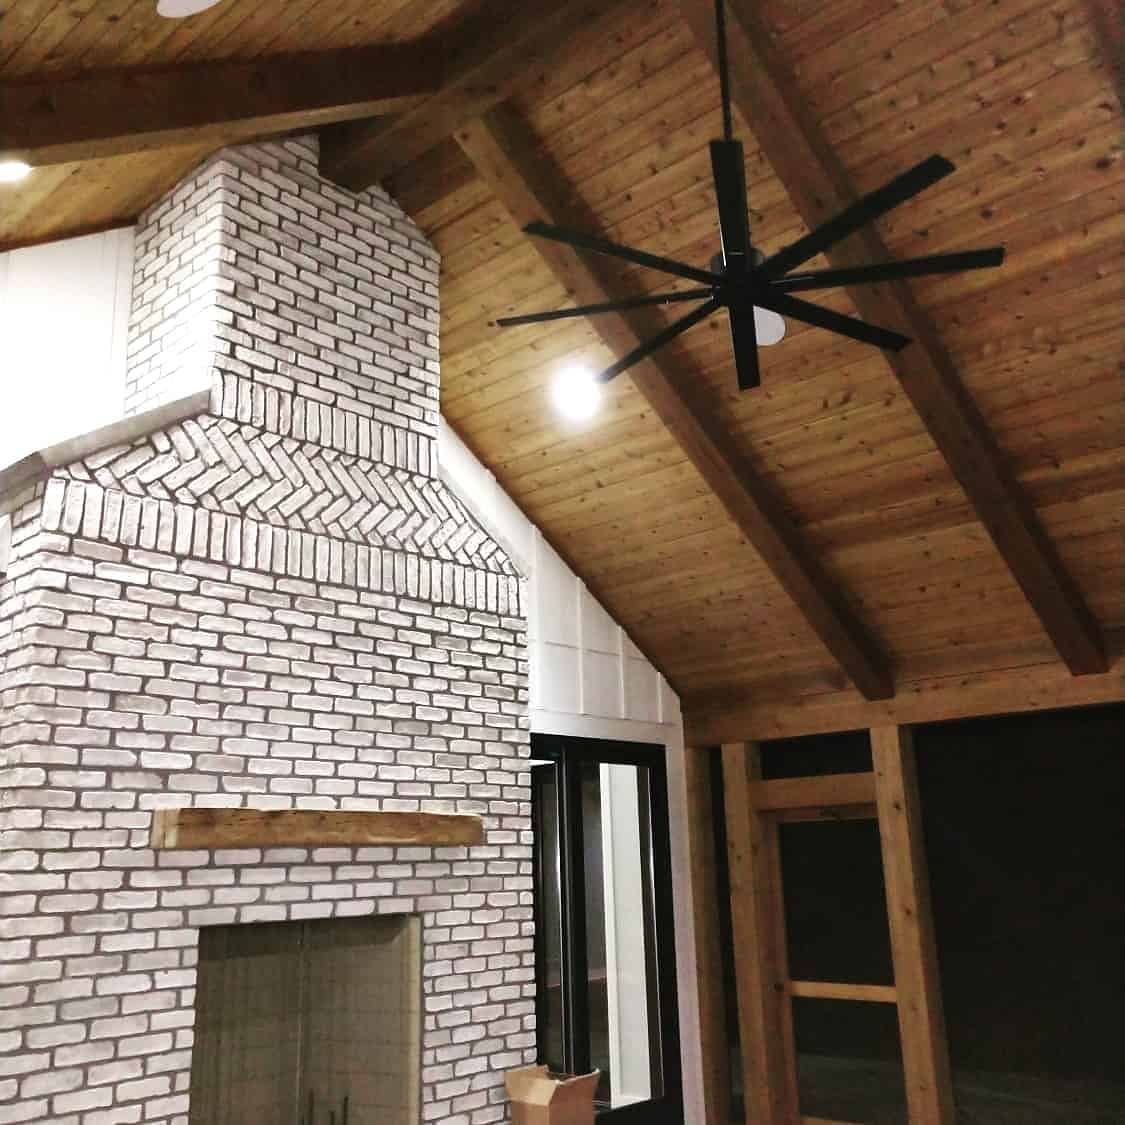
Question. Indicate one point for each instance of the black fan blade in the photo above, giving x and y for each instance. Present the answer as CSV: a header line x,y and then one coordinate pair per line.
x,y
744,340
729,169
604,246
891,271
848,326
859,214
607,306
641,351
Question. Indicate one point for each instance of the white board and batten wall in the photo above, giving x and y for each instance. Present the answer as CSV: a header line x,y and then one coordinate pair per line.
x,y
64,316
589,680
64,312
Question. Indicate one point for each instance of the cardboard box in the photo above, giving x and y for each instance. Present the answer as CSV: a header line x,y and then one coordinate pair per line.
x,y
539,1099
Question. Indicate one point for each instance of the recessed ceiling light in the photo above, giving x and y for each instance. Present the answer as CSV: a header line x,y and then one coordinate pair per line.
x,y
180,9
576,394
12,171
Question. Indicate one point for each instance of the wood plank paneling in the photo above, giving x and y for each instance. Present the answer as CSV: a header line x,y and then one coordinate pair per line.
x,y
819,186
1021,94
517,177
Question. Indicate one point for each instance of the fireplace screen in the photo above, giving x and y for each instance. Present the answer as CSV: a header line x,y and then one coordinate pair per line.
x,y
308,1023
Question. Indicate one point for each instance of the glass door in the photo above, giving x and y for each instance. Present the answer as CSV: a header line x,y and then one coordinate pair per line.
x,y
605,968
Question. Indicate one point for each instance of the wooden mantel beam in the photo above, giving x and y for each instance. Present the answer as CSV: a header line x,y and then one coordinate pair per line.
x,y
108,113
499,57
310,828
505,158
766,94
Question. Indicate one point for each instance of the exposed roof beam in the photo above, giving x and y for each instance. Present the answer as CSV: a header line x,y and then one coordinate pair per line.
x,y
105,114
815,179
933,699
498,58
522,181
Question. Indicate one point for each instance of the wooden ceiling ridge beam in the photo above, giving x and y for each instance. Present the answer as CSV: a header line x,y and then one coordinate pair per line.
x,y
109,113
524,181
500,57
765,93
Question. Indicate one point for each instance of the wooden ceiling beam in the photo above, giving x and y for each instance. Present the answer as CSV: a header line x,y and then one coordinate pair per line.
x,y
766,94
102,114
529,187
500,56
710,721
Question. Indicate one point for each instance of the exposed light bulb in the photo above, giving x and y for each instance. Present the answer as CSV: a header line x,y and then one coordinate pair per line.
x,y
180,9
12,171
576,394
768,327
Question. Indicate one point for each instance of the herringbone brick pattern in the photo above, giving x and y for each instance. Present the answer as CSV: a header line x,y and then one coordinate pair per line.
x,y
225,466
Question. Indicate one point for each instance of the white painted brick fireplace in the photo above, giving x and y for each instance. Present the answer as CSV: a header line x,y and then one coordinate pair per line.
x,y
256,594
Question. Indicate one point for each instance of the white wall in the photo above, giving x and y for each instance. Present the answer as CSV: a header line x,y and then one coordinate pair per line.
x,y
64,311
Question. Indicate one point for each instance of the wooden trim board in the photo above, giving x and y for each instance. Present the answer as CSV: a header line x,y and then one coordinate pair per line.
x,y
701,815
824,813
758,936
925,1051
310,828
91,116
1003,692
830,990
786,793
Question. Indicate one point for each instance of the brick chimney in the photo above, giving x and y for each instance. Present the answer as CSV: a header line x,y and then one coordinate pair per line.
x,y
261,595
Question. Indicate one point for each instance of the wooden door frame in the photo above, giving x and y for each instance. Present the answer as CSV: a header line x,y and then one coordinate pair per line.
x,y
753,810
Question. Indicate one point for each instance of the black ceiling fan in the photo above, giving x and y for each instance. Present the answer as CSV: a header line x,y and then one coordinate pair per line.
x,y
741,277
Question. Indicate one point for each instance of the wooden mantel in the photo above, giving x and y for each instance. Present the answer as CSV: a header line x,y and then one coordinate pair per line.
x,y
309,828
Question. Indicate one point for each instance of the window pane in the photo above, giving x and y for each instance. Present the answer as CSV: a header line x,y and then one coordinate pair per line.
x,y
619,929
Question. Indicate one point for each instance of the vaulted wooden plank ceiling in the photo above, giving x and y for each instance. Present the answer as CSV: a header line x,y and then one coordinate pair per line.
x,y
856,555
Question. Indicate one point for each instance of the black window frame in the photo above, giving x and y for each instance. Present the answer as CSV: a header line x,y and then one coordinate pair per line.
x,y
565,755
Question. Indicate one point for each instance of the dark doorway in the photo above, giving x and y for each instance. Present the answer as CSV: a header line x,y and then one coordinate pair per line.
x,y
1025,839
605,957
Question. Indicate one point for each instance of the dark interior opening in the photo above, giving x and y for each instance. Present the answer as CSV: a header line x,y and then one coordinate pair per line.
x,y
1025,841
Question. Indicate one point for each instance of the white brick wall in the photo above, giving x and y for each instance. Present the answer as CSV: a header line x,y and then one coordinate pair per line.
x,y
275,604
256,269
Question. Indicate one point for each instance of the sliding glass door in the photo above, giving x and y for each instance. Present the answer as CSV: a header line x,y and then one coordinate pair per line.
x,y
605,958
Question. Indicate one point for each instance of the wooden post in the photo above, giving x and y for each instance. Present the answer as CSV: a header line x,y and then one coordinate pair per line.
x,y
758,933
925,1054
705,907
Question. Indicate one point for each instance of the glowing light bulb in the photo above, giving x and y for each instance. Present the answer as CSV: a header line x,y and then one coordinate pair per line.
x,y
12,171
576,394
